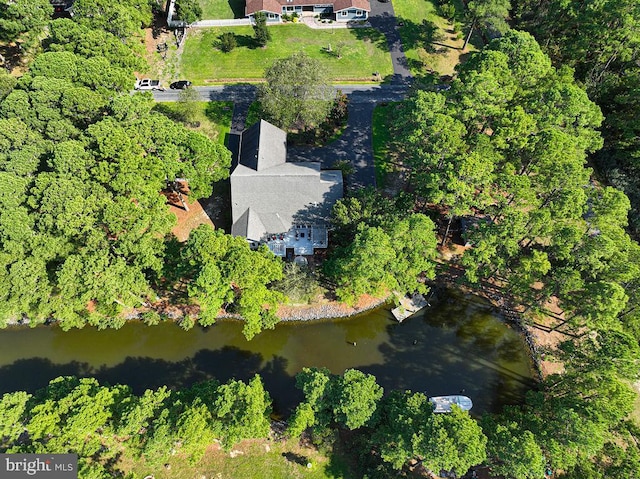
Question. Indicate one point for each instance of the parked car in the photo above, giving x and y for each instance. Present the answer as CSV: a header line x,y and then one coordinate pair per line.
x,y
180,85
147,84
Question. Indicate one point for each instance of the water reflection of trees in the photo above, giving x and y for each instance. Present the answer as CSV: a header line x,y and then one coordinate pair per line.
x,y
456,346
141,373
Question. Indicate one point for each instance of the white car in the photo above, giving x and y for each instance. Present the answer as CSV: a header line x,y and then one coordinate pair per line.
x,y
147,84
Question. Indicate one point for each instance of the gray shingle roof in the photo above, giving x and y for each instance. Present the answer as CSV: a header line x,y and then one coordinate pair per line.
x,y
263,146
269,195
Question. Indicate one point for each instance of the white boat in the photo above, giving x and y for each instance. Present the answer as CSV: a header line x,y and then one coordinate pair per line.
x,y
444,403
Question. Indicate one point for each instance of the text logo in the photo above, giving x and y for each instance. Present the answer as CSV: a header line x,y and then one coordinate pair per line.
x,y
39,466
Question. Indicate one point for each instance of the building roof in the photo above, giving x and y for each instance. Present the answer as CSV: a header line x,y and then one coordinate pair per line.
x,y
263,146
344,4
275,6
269,195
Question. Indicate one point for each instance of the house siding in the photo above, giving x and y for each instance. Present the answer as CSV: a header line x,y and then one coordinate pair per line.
x,y
271,17
351,14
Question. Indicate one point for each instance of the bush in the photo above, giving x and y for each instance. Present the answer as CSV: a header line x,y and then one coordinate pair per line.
x,y
188,11
227,42
150,318
448,11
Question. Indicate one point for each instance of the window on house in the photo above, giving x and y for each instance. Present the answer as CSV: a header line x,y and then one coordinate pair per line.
x,y
289,9
344,13
272,16
359,13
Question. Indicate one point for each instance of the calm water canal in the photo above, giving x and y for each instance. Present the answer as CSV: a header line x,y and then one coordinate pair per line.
x,y
457,344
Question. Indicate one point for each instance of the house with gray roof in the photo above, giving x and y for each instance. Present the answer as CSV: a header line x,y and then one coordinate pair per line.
x,y
338,10
282,204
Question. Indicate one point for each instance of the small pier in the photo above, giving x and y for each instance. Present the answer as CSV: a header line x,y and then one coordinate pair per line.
x,y
408,306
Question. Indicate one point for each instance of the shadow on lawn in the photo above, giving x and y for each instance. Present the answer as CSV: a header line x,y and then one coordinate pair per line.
x,y
374,36
237,7
245,41
420,35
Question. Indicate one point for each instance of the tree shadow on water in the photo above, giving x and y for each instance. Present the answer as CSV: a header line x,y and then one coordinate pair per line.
x,y
35,373
142,373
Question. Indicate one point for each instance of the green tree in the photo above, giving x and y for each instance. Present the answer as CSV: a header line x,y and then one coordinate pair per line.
x,y
123,19
13,407
260,30
454,442
86,42
7,83
224,271
23,19
188,106
401,420
188,11
296,93
227,42
349,400
356,399
513,453
242,411
488,15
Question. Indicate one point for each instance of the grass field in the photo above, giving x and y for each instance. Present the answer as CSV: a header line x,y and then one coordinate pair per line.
x,y
222,9
363,51
214,117
282,460
434,46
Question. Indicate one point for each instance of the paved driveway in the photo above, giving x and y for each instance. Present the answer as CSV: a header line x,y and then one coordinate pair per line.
x,y
382,17
354,145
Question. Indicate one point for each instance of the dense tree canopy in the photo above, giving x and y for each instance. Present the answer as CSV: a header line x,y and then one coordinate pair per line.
x,y
225,271
101,423
386,247
23,18
82,171
123,18
508,144
188,10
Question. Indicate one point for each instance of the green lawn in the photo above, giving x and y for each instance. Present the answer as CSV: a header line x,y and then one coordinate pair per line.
x,y
214,117
283,460
382,155
363,51
432,46
221,9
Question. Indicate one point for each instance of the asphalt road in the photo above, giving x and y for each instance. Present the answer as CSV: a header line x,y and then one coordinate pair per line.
x,y
368,93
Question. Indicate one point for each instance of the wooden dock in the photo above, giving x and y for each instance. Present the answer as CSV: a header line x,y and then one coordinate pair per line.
x,y
409,306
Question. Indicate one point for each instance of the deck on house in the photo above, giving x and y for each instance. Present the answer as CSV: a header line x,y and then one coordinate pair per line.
x,y
302,238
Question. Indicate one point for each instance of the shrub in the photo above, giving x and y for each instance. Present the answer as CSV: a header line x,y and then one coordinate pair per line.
x,y
448,11
227,42
150,318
